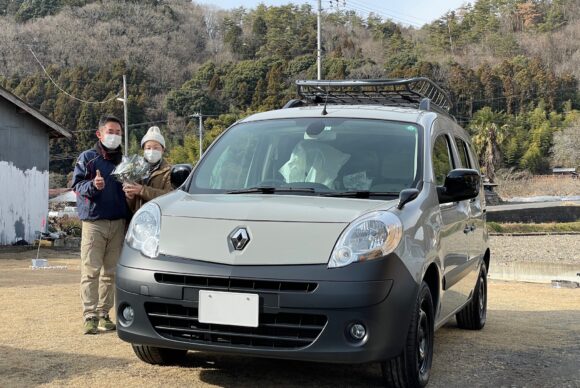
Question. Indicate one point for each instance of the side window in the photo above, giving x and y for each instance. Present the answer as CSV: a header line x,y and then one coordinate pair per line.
x,y
442,161
474,161
463,153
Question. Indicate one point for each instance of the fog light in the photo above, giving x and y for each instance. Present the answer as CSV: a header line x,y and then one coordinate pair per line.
x,y
128,315
358,331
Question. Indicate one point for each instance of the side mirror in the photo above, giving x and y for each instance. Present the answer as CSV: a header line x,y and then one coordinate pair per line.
x,y
179,174
460,184
406,196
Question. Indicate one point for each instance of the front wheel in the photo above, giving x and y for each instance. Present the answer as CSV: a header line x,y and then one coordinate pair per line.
x,y
159,356
413,366
473,315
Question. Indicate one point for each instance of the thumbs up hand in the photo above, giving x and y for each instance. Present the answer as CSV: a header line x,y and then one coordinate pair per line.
x,y
99,181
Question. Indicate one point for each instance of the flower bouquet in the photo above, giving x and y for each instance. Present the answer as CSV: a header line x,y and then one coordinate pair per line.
x,y
132,169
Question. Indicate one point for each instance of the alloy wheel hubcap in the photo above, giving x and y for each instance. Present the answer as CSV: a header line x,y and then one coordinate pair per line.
x,y
422,342
481,296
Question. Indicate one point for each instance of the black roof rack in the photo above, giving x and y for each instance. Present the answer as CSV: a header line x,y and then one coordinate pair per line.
x,y
416,92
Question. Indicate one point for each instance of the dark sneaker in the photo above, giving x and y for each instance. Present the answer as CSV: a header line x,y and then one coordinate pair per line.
x,y
91,325
106,323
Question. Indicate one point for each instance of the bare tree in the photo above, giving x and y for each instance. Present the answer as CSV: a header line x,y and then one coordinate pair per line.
x,y
566,147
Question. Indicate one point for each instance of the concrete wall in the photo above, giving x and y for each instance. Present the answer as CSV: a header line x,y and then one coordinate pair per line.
x,y
24,152
527,214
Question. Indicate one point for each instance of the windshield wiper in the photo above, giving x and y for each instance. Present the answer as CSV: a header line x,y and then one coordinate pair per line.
x,y
360,194
271,190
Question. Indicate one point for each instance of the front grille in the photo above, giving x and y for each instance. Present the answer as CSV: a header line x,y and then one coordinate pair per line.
x,y
279,331
235,284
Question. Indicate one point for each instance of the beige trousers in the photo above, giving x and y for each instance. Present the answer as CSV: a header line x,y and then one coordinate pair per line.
x,y
101,244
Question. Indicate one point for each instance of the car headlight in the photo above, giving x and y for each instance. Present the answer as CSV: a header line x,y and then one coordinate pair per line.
x,y
371,236
143,233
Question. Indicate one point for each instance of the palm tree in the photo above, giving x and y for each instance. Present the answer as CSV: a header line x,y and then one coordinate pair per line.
x,y
487,136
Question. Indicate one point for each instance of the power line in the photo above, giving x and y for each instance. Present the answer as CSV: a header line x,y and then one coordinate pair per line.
x,y
530,98
64,91
364,9
139,124
390,14
130,126
392,11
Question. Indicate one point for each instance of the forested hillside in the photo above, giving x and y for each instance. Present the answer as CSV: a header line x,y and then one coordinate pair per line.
x,y
510,66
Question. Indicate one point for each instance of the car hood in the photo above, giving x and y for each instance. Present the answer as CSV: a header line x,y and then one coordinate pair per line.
x,y
283,229
268,207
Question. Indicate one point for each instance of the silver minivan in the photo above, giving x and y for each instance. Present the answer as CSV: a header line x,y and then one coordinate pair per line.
x,y
346,228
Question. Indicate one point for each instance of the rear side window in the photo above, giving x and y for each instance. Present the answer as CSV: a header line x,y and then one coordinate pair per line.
x,y
462,149
474,161
442,161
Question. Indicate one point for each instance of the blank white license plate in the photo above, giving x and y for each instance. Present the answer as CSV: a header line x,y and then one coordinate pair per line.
x,y
228,308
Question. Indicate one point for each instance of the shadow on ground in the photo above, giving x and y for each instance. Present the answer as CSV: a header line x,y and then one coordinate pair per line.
x,y
514,349
235,371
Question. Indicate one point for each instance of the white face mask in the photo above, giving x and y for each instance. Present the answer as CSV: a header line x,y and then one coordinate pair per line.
x,y
152,156
111,141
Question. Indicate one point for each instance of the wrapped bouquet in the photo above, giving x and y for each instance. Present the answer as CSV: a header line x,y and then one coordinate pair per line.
x,y
132,169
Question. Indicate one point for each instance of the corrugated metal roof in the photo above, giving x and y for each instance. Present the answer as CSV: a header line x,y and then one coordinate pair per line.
x,y
55,129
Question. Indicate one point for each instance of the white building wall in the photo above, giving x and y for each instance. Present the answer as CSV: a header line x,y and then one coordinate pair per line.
x,y
23,203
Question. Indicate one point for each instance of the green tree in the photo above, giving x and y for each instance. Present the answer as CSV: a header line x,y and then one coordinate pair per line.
x,y
190,100
533,160
186,153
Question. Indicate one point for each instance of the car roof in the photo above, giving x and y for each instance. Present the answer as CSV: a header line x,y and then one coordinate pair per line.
x,y
349,111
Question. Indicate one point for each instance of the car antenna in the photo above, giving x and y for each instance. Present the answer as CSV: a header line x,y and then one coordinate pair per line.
x,y
324,112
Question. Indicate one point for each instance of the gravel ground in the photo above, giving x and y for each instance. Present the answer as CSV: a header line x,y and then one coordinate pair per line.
x,y
561,249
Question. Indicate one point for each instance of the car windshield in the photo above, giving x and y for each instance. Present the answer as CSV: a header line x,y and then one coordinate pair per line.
x,y
312,156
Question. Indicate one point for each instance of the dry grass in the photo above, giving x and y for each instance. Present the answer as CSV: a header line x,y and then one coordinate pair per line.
x,y
510,186
42,345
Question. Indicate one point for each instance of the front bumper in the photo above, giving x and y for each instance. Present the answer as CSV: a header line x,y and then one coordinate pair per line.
x,y
305,310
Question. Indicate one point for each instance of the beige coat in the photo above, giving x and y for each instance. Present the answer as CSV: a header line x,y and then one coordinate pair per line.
x,y
159,183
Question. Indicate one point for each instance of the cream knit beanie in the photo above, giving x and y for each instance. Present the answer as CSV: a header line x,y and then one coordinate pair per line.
x,y
154,133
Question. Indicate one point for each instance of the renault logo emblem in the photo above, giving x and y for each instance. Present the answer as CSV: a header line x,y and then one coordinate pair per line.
x,y
239,238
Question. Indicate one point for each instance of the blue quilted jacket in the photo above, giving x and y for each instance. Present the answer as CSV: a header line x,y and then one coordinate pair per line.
x,y
93,204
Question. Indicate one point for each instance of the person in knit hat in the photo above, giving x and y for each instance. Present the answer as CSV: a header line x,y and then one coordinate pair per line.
x,y
158,180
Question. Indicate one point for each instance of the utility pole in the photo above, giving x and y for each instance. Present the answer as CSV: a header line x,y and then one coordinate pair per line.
x,y
200,135
200,116
126,121
450,37
319,38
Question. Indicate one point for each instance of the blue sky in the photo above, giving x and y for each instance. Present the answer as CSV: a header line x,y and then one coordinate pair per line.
x,y
410,12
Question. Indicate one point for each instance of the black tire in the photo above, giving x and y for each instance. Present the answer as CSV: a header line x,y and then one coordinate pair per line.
x,y
413,366
474,314
159,356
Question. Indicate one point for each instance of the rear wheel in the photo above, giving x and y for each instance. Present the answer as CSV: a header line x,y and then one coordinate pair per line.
x,y
413,366
159,356
474,314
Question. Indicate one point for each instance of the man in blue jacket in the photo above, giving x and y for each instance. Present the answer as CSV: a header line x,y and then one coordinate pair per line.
x,y
102,207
